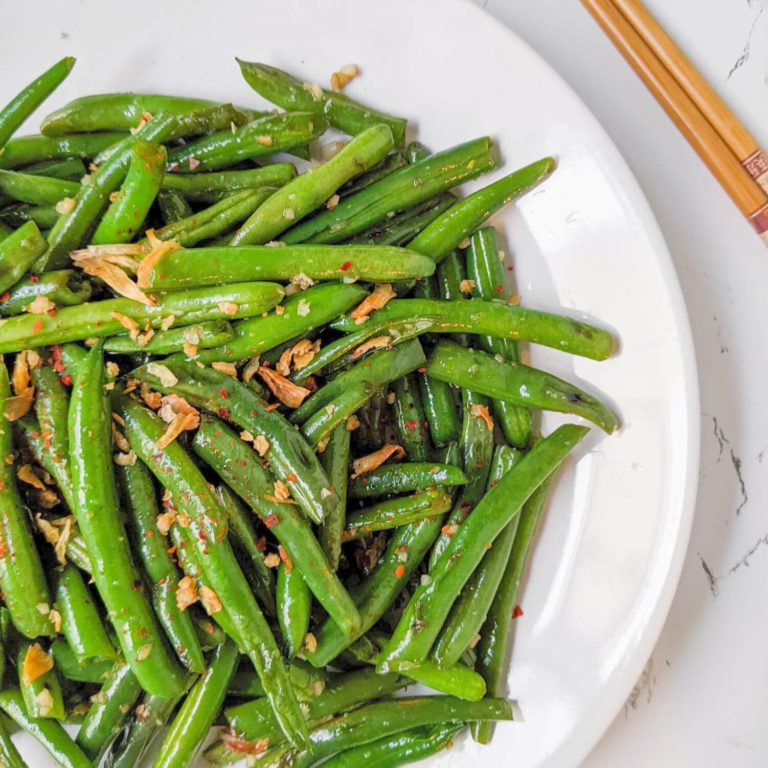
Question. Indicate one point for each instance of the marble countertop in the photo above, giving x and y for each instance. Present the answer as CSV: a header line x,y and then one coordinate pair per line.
x,y
702,699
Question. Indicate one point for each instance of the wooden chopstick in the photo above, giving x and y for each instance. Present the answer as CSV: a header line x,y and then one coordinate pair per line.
x,y
709,103
750,199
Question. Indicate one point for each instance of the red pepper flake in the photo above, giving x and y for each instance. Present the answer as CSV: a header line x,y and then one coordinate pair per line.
x,y
291,479
223,393
58,364
150,534
261,543
311,383
47,443
345,266
34,279
52,312
223,413
423,369
411,424
5,296
285,557
66,380
272,407
400,571
499,289
271,521
37,327
201,536
171,550
517,612
2,485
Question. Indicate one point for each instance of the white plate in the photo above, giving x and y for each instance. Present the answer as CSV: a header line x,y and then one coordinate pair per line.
x,y
585,243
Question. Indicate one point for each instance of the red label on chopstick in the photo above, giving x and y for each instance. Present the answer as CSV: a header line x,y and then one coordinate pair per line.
x,y
759,220
757,167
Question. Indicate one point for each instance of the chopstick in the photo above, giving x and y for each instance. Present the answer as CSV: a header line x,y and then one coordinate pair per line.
x,y
748,196
742,143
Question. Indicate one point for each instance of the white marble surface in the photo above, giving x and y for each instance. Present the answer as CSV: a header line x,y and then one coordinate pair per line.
x,y
703,698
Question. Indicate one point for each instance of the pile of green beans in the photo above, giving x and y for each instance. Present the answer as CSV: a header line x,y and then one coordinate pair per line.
x,y
270,451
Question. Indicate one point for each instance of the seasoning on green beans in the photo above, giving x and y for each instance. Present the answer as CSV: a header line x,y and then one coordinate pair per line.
x,y
209,187
63,288
404,478
18,252
40,689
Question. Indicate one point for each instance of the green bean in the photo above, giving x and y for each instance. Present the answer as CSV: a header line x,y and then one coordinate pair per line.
x,y
294,604
459,680
21,572
31,97
476,447
335,461
301,313
404,478
264,136
97,319
215,220
289,93
397,192
144,723
410,419
394,513
465,216
495,637
205,540
9,755
95,671
439,404
48,732
37,190
122,111
428,608
67,169
98,516
173,206
139,499
33,149
499,320
208,187
203,336
403,227
307,192
18,253
377,593
319,427
63,288
391,163
449,276
245,539
16,215
486,270
375,721
515,383
4,231
42,695
185,268
400,749
199,710
108,711
416,152
375,371
471,608
81,623
125,215
237,464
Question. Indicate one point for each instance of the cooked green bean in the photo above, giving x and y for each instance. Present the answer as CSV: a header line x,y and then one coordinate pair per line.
x,y
307,192
21,572
95,671
9,755
33,149
81,623
335,461
238,465
173,206
394,513
465,216
439,403
63,288
37,190
209,187
108,711
289,93
31,97
205,539
397,192
202,336
67,169
404,478
428,608
98,516
185,268
125,215
49,733
123,111
391,163
41,694
486,270
300,314
199,710
18,252
515,383
141,509
45,216
410,419
103,318
264,136
294,604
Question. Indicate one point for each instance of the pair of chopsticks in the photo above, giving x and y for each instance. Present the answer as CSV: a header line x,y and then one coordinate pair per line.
x,y
723,143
